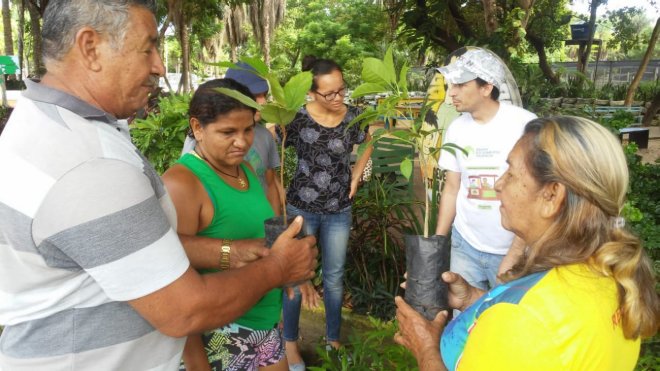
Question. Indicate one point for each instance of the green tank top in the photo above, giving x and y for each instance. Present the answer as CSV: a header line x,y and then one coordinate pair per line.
x,y
238,214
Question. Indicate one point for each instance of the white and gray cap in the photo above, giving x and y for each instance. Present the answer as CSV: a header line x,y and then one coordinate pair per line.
x,y
475,63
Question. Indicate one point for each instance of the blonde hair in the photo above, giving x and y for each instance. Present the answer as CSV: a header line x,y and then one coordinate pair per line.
x,y
589,161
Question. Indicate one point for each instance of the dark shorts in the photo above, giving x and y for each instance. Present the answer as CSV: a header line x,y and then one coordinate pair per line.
x,y
235,347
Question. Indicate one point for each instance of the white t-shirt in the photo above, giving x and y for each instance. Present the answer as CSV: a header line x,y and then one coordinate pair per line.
x,y
488,145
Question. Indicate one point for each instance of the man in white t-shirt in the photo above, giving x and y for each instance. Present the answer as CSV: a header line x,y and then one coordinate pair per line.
x,y
487,131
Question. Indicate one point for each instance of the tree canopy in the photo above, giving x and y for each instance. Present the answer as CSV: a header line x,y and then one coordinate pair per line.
x,y
281,32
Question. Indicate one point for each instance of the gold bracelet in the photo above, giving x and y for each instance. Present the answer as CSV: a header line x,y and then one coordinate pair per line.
x,y
225,251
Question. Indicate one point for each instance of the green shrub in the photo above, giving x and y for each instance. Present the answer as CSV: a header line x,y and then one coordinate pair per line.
x,y
376,256
649,357
647,90
290,165
373,349
643,212
161,135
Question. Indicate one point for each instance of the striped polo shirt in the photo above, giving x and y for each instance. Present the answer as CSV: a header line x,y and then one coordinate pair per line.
x,y
85,225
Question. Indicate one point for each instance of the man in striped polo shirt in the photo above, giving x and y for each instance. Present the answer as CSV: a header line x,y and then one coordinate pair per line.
x,y
92,274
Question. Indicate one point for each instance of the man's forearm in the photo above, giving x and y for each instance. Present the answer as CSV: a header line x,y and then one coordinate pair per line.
x,y
237,290
196,303
205,252
447,209
446,214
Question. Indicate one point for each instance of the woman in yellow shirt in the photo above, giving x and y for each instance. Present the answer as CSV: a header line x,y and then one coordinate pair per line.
x,y
582,295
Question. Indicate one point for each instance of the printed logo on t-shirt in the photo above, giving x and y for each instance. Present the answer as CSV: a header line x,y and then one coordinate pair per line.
x,y
482,187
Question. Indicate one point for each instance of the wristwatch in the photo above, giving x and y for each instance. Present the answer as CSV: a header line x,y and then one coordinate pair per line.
x,y
225,250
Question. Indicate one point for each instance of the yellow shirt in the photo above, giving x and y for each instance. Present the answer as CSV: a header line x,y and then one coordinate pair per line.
x,y
563,319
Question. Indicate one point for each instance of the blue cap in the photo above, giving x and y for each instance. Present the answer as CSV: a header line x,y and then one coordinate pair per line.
x,y
254,83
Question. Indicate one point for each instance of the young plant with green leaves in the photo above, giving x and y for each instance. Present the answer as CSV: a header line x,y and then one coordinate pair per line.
x,y
381,77
284,103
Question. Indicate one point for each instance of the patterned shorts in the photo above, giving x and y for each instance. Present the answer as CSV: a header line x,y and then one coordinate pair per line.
x,y
235,347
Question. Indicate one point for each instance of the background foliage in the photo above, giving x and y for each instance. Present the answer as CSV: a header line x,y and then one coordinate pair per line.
x,y
161,135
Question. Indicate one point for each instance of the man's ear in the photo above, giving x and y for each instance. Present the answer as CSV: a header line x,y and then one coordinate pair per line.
x,y
88,46
486,89
553,196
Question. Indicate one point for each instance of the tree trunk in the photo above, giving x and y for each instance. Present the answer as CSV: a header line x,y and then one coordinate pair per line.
x,y
161,37
266,32
490,16
583,55
184,39
234,19
6,24
394,12
527,6
21,35
647,120
539,46
264,17
37,68
441,36
463,25
233,53
644,63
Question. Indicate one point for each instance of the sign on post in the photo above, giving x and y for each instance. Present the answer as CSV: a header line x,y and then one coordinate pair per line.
x,y
8,66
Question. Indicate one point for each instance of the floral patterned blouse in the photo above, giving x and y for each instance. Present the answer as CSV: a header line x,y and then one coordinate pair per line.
x,y
322,180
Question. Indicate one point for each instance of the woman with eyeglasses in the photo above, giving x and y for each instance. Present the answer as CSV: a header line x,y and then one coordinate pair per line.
x,y
322,190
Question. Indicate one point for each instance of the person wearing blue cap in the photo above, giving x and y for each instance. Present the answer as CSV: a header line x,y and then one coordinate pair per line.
x,y
263,155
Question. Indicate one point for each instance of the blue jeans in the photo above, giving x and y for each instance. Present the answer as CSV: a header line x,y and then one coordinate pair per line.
x,y
331,231
477,267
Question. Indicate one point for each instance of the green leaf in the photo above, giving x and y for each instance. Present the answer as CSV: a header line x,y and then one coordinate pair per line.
x,y
259,66
296,89
365,118
223,64
368,88
378,133
406,167
362,147
403,79
451,148
239,97
374,70
388,61
405,135
276,89
277,114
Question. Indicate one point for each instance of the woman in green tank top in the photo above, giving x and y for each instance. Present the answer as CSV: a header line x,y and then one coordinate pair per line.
x,y
220,202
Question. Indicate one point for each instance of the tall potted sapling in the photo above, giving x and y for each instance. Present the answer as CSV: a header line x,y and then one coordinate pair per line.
x,y
426,256
281,109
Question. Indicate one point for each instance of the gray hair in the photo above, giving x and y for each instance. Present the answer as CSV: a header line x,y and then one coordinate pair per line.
x,y
63,19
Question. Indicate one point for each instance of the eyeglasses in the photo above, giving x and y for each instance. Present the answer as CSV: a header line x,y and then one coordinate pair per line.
x,y
332,95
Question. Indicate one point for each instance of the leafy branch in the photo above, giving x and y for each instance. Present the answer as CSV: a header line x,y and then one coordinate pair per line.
x,y
380,76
